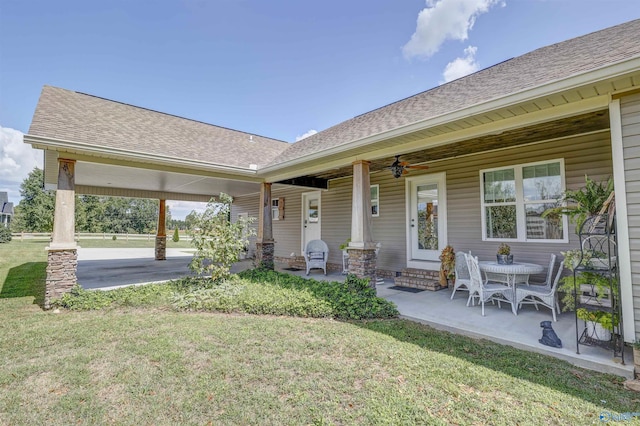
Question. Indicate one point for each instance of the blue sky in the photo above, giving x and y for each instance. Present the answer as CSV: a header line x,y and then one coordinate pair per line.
x,y
278,68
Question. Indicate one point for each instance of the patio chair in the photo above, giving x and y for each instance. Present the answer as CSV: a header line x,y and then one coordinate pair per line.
x,y
487,291
462,273
315,255
549,278
534,295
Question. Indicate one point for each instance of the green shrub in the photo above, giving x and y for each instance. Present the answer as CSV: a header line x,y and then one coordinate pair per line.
x,y
353,299
176,236
114,238
5,234
134,296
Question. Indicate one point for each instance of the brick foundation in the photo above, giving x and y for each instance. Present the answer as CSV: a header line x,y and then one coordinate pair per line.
x,y
161,248
62,265
264,255
419,278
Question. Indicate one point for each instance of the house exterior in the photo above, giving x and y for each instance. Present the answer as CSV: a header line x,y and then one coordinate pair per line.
x,y
500,146
6,210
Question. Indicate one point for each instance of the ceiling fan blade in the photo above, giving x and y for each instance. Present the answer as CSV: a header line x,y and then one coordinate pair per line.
x,y
405,171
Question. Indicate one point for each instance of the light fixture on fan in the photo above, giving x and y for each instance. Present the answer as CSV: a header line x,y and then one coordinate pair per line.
x,y
399,168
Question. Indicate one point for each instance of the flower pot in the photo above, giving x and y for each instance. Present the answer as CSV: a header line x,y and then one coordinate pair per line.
x,y
596,331
504,259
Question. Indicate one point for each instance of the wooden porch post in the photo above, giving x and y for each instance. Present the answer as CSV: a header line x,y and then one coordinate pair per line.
x,y
161,236
62,256
265,244
362,256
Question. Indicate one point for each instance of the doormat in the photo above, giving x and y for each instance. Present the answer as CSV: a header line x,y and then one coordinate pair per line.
x,y
407,289
291,269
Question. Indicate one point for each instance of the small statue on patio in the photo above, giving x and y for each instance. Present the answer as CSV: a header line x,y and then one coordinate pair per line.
x,y
549,336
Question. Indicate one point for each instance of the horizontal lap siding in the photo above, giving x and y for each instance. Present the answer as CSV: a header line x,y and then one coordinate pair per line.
x,y
630,111
582,155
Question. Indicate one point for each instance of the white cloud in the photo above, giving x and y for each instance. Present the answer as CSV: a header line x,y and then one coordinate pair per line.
x,y
17,160
444,20
460,67
180,209
306,135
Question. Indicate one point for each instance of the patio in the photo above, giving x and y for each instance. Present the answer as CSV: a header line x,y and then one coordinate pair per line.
x,y
437,310
432,308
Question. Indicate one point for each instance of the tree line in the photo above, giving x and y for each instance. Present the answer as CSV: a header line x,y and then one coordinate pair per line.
x,y
93,213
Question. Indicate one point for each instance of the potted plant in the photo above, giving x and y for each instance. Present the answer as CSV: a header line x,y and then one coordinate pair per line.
x,y
447,266
599,324
504,255
344,247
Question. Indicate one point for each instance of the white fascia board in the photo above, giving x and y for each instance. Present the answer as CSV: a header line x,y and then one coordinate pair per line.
x,y
60,145
594,76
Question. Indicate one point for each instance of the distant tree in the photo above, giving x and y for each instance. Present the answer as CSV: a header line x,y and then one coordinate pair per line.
x,y
176,236
34,213
191,219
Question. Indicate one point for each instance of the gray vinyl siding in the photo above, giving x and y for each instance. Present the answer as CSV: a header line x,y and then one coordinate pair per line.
x,y
630,112
582,155
590,154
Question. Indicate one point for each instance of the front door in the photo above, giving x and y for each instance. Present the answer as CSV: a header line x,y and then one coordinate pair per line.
x,y
426,218
310,217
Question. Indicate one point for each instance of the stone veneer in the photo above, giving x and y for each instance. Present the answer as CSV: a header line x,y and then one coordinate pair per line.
x,y
362,263
265,255
161,248
61,273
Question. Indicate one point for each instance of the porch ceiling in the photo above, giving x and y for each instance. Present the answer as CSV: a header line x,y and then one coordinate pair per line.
x,y
580,124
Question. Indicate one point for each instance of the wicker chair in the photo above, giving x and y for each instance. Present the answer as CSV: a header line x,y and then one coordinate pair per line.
x,y
462,273
315,255
535,295
548,280
488,291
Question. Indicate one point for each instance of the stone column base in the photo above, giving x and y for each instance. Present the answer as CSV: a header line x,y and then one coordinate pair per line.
x,y
362,263
62,265
264,254
161,248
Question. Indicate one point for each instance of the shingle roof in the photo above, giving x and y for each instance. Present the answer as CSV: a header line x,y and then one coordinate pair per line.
x,y
78,117
544,65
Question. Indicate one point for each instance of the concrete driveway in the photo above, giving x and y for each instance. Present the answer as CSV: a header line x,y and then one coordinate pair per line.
x,y
105,268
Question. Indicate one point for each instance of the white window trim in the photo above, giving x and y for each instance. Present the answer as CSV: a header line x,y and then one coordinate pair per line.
x,y
521,225
377,186
275,209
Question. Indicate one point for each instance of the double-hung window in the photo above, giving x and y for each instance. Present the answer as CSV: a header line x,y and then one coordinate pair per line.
x,y
375,200
514,199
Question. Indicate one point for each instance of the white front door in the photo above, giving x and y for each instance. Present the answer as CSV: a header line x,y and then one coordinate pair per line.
x,y
311,217
426,218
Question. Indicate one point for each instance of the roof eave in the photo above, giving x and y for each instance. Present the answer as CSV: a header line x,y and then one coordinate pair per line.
x,y
59,145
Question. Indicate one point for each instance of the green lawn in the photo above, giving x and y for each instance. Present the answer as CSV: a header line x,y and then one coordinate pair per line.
x,y
158,366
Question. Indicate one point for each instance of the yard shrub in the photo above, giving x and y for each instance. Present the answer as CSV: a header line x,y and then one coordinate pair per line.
x,y
176,236
134,296
5,234
217,240
353,299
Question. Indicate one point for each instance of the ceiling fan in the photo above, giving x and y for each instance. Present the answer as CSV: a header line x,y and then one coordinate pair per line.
x,y
399,168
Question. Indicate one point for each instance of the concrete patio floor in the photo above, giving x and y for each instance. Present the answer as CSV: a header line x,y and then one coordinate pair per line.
x,y
111,268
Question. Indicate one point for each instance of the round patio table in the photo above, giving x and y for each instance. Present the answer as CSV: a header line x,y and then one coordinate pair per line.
x,y
515,273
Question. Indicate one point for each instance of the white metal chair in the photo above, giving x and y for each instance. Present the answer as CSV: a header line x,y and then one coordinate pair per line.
x,y
534,295
488,291
315,255
462,273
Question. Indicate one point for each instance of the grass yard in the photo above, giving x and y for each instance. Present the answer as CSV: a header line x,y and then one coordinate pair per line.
x,y
158,366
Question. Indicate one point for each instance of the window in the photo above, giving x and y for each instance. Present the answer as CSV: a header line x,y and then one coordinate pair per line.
x,y
277,209
375,200
514,199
